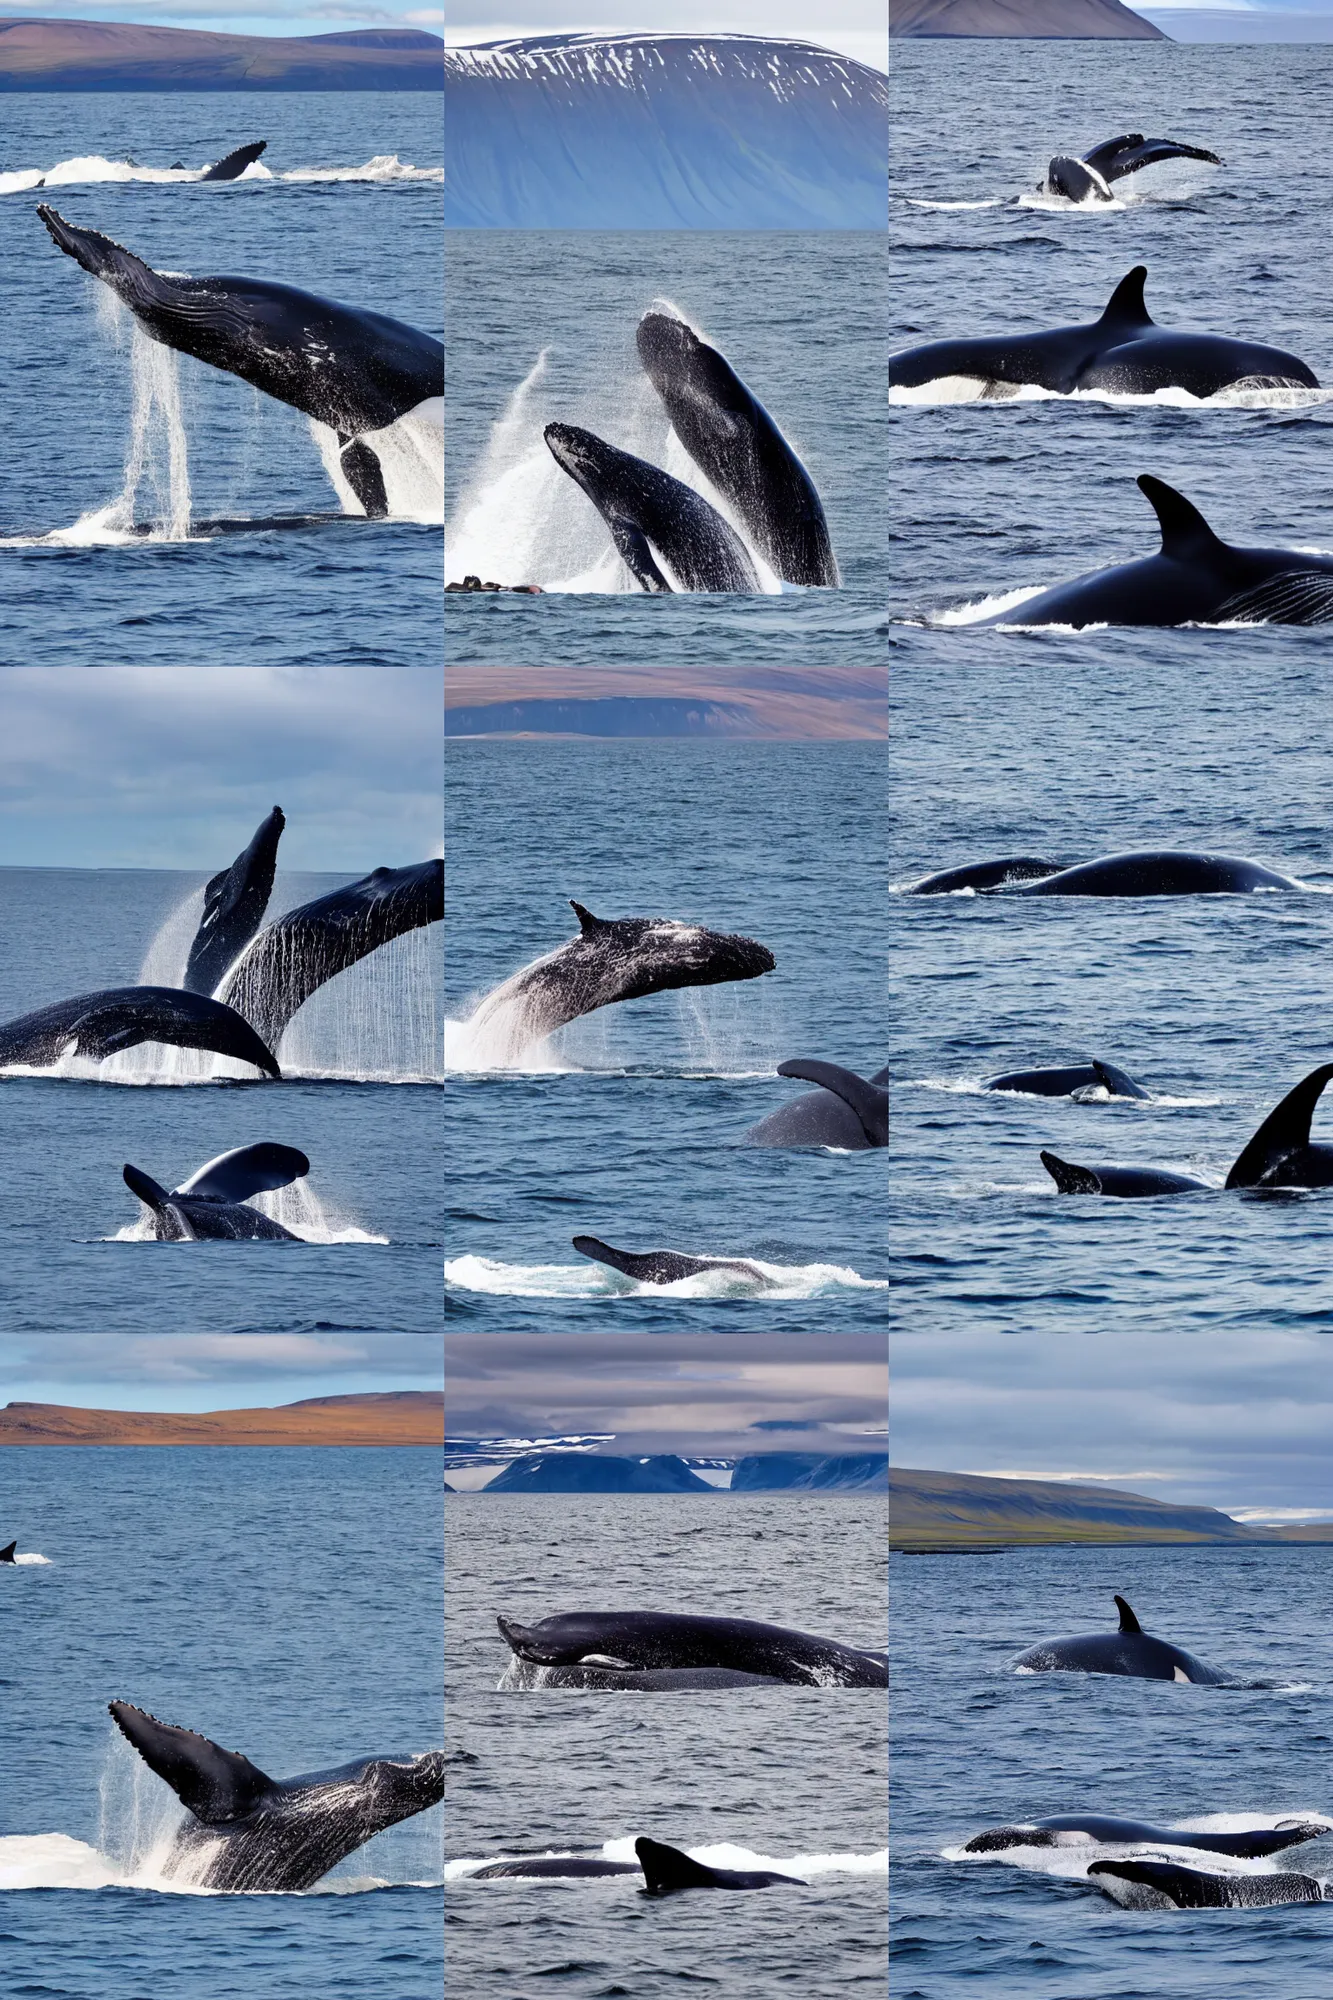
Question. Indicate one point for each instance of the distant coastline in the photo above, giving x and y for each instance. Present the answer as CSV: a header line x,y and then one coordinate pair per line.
x,y
717,704
402,1417
49,55
939,1513
1030,20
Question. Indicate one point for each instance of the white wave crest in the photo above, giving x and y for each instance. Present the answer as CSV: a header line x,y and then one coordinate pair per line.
x,y
721,1854
92,168
590,1280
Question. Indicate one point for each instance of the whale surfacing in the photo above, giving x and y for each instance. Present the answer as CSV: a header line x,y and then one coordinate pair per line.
x,y
214,1203
1089,1082
1151,872
652,1642
1146,1885
667,1870
848,1112
1087,1829
104,1024
1096,171
1130,1651
665,1267
250,1832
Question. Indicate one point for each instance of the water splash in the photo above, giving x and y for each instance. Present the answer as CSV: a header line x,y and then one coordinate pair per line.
x,y
411,456
379,1021
157,455
598,1281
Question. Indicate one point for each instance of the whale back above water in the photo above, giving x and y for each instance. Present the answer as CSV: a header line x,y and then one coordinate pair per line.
x,y
212,1204
733,440
667,1870
664,1267
848,1111
982,875
1154,1884
1072,1080
1130,1651
106,1023
234,905
552,1867
1125,1183
248,1831
1063,1830
1194,579
1156,872
647,509
660,1640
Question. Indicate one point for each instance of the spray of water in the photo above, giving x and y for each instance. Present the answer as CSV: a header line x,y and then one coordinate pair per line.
x,y
157,456
411,456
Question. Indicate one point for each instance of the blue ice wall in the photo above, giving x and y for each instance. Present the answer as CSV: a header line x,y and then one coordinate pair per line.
x,y
663,132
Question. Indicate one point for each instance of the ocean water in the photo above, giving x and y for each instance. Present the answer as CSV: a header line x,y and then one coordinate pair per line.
x,y
795,1776
976,1745
629,1124
360,1097
286,1603
541,328
119,455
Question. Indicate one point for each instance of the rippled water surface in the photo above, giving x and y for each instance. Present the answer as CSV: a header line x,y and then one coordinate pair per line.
x,y
795,1776
284,1602
293,580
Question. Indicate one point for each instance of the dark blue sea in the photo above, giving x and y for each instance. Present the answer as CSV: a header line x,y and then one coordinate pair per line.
x,y
791,1778
286,1603
976,1745
87,1298
629,1124
541,328
119,455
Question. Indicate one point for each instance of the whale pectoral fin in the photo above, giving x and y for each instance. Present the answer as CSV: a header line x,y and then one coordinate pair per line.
x,y
1125,307
1285,1131
1069,1178
1186,536
666,1869
234,165
1101,156
216,1785
634,551
150,1192
861,1097
361,470
247,1170
1128,1622
602,1253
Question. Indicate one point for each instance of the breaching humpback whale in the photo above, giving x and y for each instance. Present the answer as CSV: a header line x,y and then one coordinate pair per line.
x,y
104,1024
234,905
297,953
1095,171
249,1832
1092,1082
1280,1155
614,959
1194,579
1086,1829
1130,1651
213,1205
670,1642
1124,353
732,439
848,1112
1156,1884
665,1267
1152,872
346,367
647,509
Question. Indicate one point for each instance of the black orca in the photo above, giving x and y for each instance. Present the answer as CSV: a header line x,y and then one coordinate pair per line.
x,y
646,509
552,1867
1092,1081
666,1871
249,1832
120,1017
1079,1829
1154,1884
1124,353
1280,1155
1195,579
982,875
614,959
297,953
1096,170
652,1641
664,1267
350,369
235,163
1130,1651
1152,872
733,440
234,905
7,1554
213,1204
848,1111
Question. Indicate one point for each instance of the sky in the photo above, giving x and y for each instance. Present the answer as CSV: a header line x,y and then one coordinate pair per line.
x,y
166,767
1241,20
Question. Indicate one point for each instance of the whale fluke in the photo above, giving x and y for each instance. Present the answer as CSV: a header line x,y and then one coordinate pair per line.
x,y
236,163
121,1017
664,1267
1128,1622
1126,307
217,1785
869,1100
212,1204
1283,1137
234,905
1069,1178
666,1870
294,956
7,1554
1186,536
1115,158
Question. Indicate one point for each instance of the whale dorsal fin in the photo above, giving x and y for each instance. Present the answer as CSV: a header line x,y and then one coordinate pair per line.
x,y
666,1868
217,1785
1125,306
1185,533
1285,1131
861,1097
588,923
1069,1178
7,1554
1117,1081
1128,1622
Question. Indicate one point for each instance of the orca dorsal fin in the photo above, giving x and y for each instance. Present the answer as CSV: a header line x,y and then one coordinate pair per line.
x,y
7,1554
1071,1179
666,1869
1128,1622
859,1096
1185,533
588,923
1125,307
216,1785
1285,1131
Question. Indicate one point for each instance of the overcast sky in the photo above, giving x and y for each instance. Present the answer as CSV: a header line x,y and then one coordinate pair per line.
x,y
163,767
